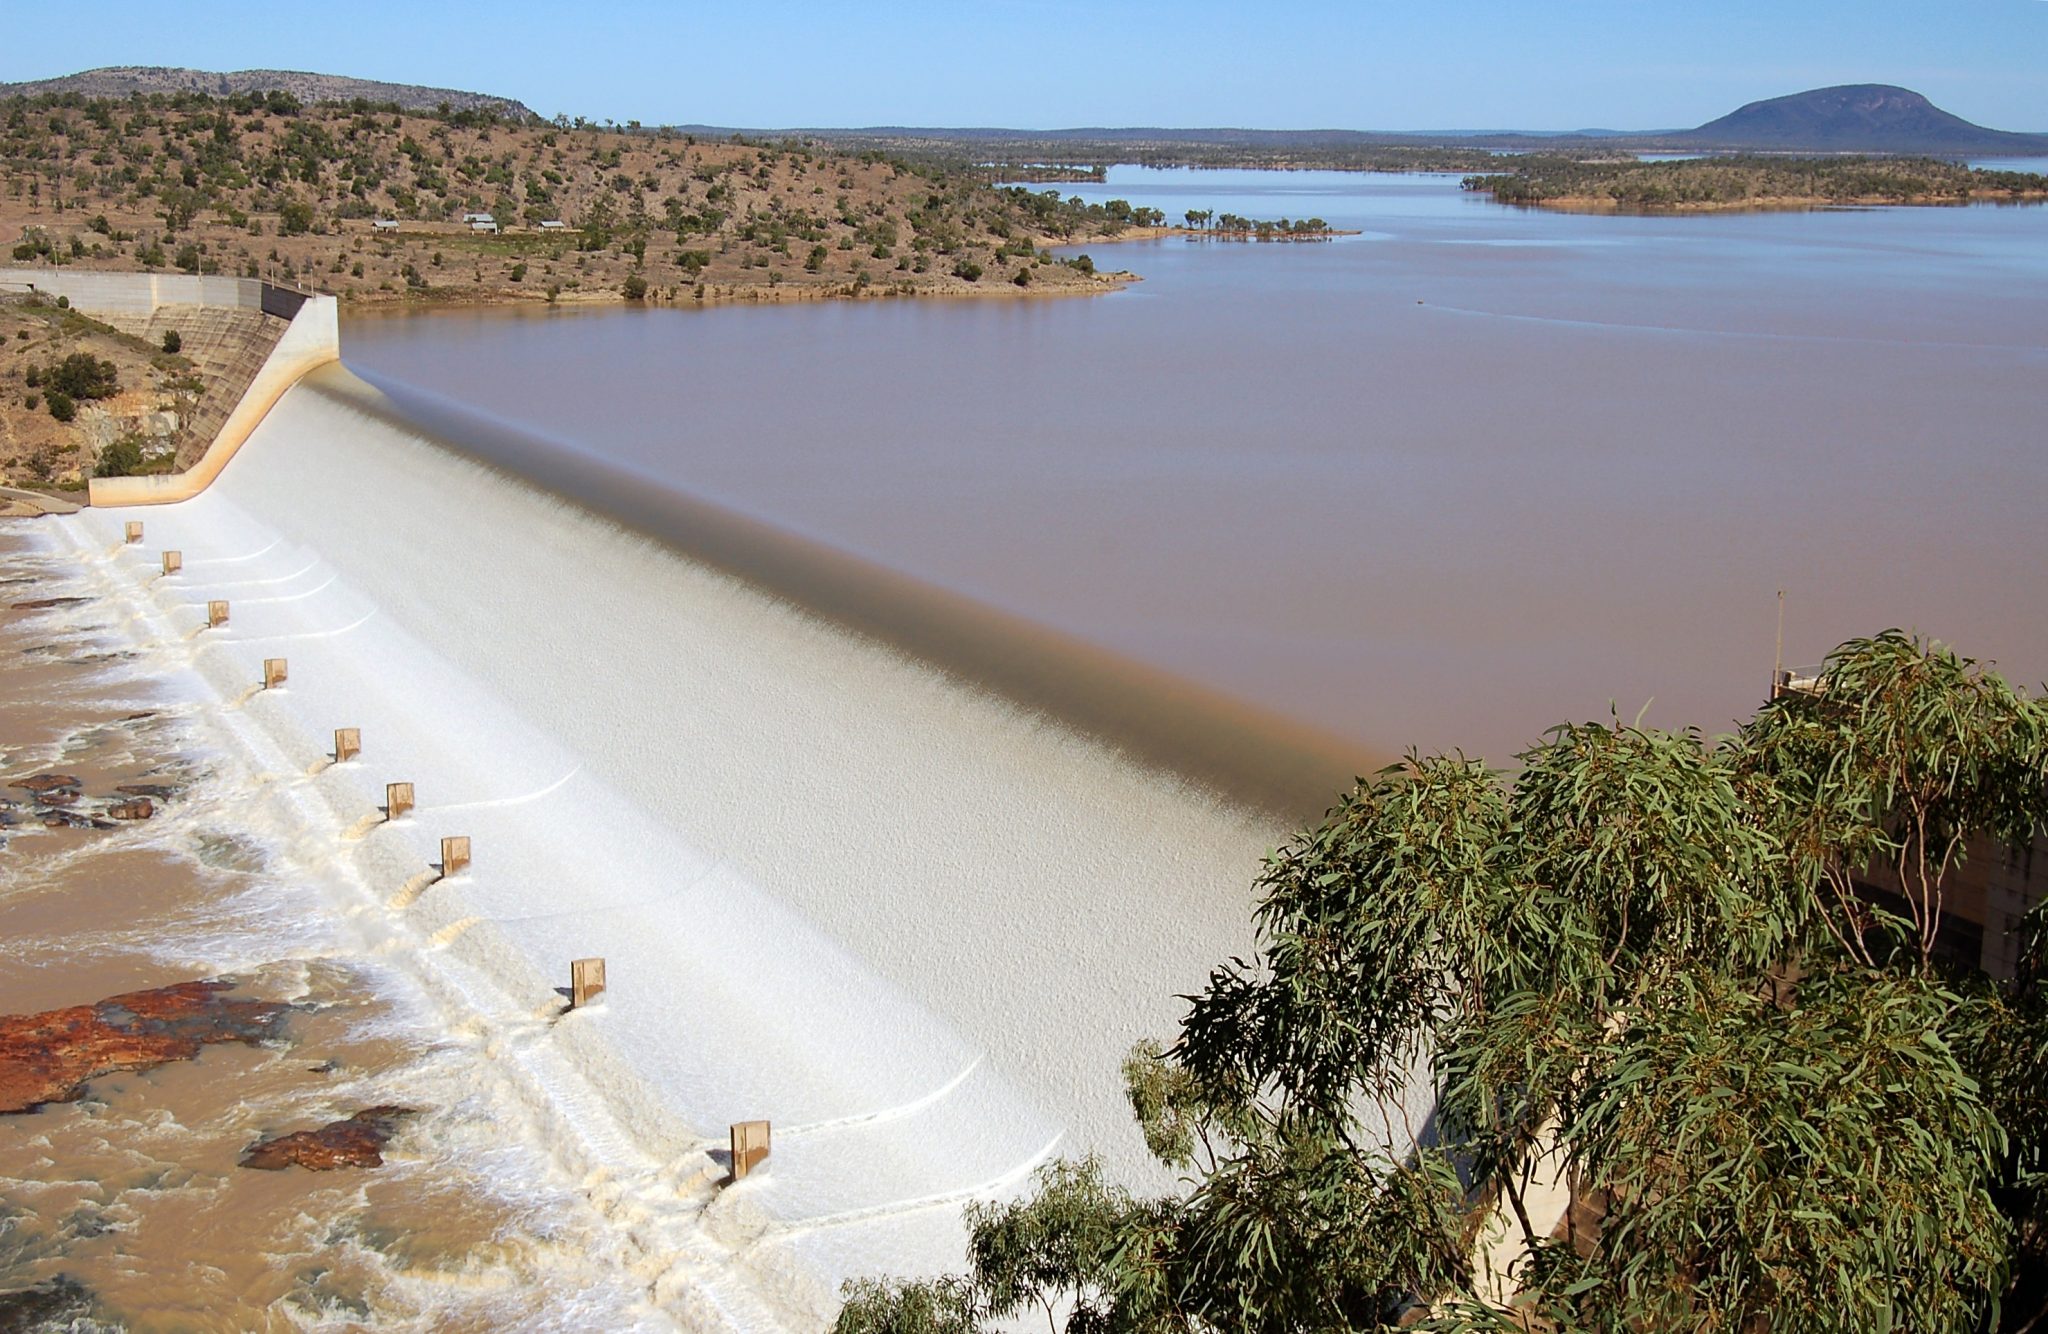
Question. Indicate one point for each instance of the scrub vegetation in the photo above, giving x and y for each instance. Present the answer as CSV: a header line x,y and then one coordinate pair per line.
x,y
1749,181
75,393
375,204
1663,970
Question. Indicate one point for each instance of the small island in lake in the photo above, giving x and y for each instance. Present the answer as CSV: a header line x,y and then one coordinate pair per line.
x,y
1748,181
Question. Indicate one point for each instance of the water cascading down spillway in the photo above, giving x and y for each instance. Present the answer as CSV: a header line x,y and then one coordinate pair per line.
x,y
894,873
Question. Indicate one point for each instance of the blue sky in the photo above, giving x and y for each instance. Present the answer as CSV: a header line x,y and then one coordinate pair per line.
x,y
1370,64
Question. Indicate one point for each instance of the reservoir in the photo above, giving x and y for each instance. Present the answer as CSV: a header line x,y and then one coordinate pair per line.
x,y
1444,483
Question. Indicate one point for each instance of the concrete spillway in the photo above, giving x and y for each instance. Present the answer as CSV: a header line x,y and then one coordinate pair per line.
x,y
899,875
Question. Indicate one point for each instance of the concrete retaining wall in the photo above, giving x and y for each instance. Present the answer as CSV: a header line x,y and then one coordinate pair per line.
x,y
137,293
312,339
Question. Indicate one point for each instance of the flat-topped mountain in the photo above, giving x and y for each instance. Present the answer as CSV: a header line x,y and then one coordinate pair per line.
x,y
121,80
1856,118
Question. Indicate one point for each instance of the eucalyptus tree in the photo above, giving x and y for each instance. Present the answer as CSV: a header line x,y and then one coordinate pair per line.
x,y
1643,965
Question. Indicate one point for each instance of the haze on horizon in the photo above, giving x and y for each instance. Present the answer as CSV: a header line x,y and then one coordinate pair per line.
x,y
1041,64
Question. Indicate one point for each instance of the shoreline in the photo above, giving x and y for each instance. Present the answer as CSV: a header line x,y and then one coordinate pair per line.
x,y
1105,282
1108,283
1209,234
1594,204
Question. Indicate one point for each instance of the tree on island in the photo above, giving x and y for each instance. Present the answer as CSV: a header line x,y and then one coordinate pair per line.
x,y
1647,966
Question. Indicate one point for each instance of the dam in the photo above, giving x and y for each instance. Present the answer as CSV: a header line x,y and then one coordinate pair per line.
x,y
900,875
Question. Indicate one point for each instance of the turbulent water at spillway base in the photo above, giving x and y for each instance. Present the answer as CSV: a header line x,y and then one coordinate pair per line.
x,y
898,905
126,1208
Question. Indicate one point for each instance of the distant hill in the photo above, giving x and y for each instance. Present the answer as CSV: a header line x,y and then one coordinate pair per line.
x,y
1866,118
1852,118
1855,118
121,80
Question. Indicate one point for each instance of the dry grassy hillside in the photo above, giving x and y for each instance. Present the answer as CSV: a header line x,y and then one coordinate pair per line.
x,y
261,186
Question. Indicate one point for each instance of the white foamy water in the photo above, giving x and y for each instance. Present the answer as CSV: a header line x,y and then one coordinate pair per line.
x,y
914,925
125,1189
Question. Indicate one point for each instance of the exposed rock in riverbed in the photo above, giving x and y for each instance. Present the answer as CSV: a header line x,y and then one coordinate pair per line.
x,y
45,784
50,1305
356,1142
49,1057
55,817
55,793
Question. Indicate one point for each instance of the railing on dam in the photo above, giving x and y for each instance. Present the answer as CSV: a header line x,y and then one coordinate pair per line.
x,y
283,302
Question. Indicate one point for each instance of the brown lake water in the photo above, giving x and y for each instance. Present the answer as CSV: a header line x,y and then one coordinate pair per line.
x,y
1471,473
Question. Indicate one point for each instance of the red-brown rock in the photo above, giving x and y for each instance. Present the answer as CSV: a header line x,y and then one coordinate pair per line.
x,y
49,1057
135,808
357,1142
44,784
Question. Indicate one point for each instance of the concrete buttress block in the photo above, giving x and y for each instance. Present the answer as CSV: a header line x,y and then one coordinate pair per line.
x,y
749,1147
586,980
